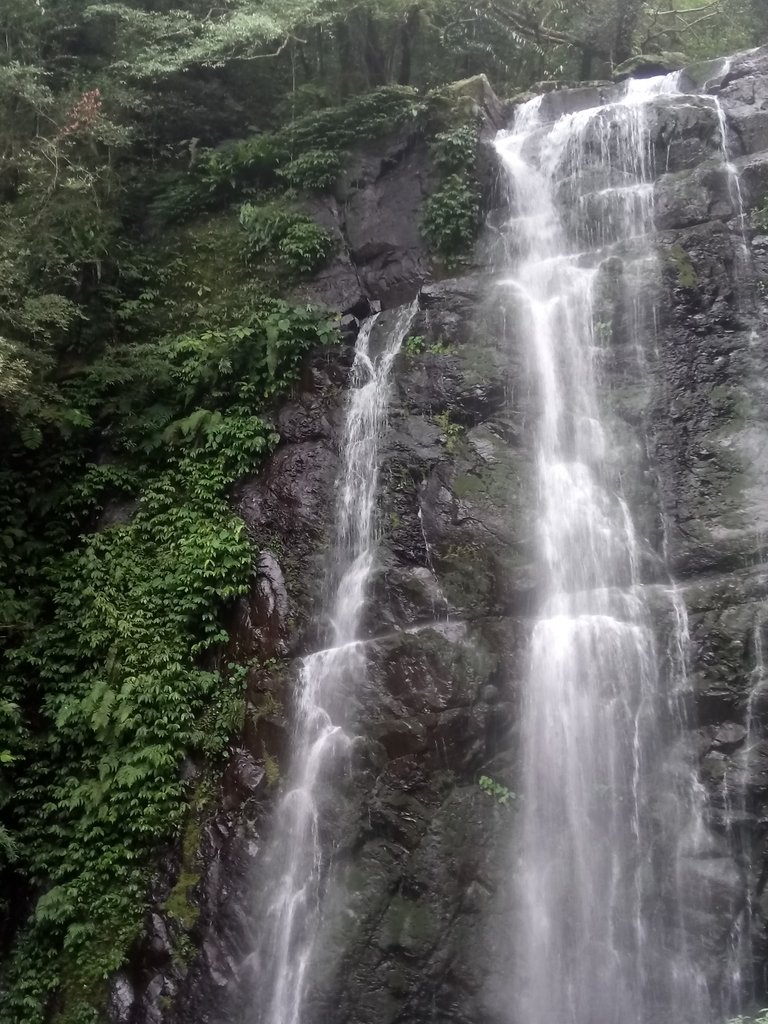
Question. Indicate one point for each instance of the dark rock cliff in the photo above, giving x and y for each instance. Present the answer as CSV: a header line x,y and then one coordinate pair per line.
x,y
421,851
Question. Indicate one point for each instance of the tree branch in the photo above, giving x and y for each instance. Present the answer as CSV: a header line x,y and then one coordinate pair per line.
x,y
690,10
268,56
536,31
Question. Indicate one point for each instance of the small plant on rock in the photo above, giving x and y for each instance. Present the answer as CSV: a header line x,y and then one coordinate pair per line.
x,y
760,216
501,794
415,344
452,432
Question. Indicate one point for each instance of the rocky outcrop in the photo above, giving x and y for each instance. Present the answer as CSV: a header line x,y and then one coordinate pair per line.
x,y
422,851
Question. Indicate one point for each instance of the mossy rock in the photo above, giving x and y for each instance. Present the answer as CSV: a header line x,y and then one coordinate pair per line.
x,y
465,99
681,263
487,486
409,925
649,65
178,905
477,88
468,578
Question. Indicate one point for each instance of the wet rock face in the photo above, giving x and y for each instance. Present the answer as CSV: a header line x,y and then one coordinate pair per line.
x,y
414,928
707,424
374,217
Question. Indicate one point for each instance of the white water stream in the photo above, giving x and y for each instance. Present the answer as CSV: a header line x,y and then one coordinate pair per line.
x,y
300,848
610,821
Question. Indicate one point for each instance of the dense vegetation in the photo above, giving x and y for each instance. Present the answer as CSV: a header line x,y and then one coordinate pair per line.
x,y
153,163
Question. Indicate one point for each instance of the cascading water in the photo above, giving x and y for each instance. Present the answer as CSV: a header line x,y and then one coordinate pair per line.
x,y
299,851
610,820
734,182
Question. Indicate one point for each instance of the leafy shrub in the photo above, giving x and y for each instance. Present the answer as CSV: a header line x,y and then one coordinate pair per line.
x,y
451,214
454,151
278,235
303,153
181,198
252,160
368,116
314,170
304,247
302,99
451,217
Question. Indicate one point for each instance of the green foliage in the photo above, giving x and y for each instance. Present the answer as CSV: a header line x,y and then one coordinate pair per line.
x,y
452,213
369,116
440,347
138,356
701,31
415,344
313,171
501,794
452,217
119,679
760,216
304,248
134,609
452,432
178,904
683,268
307,153
276,235
454,151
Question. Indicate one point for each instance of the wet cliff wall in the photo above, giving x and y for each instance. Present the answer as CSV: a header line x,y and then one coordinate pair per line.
x,y
423,851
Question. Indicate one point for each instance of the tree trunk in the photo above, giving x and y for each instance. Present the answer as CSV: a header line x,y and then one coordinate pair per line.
x,y
344,50
319,51
627,19
375,61
408,32
585,66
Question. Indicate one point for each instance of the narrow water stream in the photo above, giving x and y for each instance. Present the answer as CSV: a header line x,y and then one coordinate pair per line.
x,y
300,847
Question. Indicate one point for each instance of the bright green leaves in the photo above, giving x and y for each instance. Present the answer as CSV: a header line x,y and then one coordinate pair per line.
x,y
451,217
452,213
454,151
136,608
114,679
313,171
281,238
175,390
500,793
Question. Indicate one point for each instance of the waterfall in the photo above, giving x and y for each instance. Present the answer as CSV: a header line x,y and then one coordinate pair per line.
x,y
610,822
734,188
299,849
